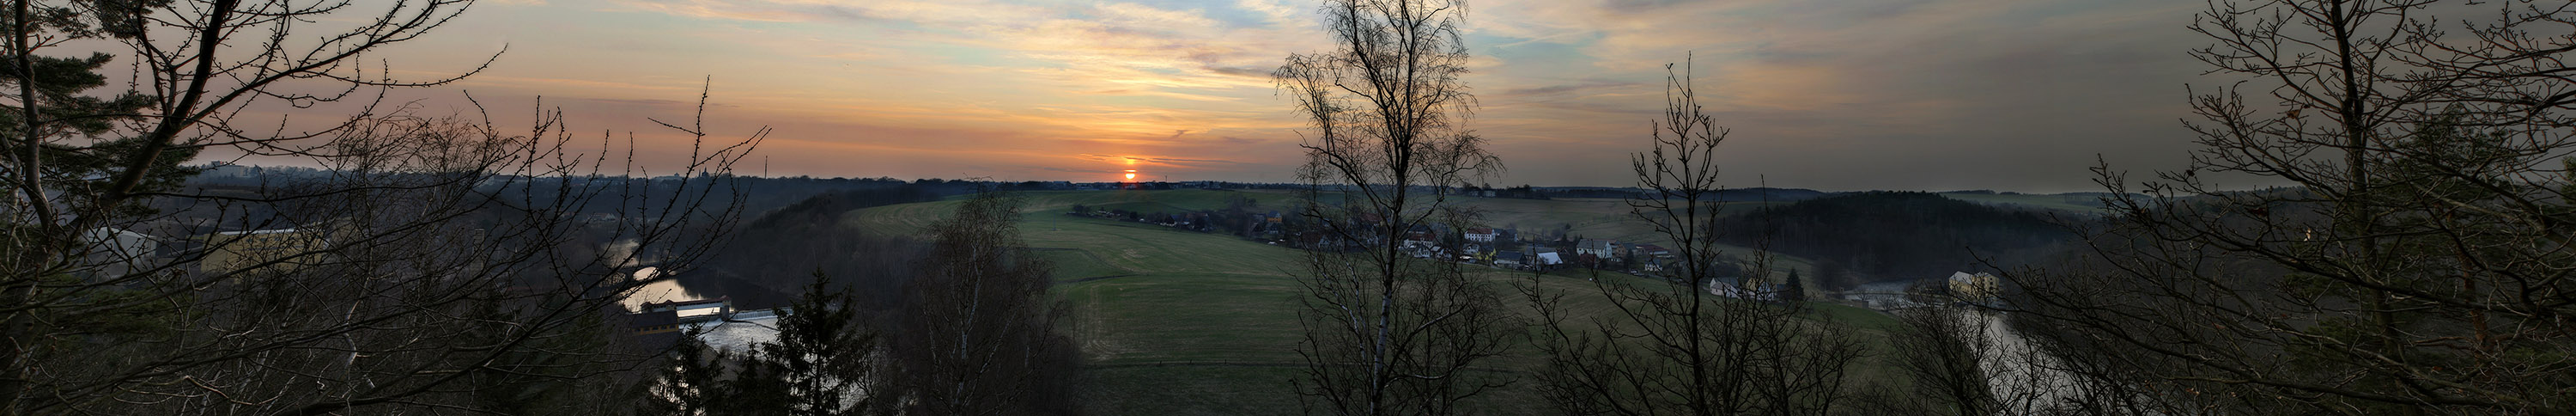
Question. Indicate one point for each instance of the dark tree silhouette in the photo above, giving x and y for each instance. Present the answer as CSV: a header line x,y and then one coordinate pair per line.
x,y
978,334
127,291
1385,334
824,360
1673,347
2418,265
692,381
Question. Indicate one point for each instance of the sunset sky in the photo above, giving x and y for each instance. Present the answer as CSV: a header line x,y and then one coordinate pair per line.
x,y
1836,95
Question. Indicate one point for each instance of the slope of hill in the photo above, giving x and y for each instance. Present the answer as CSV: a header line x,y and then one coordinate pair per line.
x,y
1865,237
2081,203
774,253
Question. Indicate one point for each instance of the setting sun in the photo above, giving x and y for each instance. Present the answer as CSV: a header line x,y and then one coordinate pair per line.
x,y
1131,175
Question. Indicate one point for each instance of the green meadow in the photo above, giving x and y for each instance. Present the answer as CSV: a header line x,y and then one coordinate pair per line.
x,y
1178,322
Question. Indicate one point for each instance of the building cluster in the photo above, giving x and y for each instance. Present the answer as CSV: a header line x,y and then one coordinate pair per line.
x,y
236,256
717,322
1979,288
663,317
1505,248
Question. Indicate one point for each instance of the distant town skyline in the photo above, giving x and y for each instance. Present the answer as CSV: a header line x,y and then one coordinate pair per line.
x,y
1846,95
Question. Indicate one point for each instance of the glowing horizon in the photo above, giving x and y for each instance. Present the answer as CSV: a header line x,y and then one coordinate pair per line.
x,y
1993,93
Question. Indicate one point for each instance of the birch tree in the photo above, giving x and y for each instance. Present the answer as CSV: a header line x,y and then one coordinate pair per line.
x,y
1386,333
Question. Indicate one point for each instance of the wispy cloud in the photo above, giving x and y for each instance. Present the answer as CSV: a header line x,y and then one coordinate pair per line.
x,y
1840,94
1568,88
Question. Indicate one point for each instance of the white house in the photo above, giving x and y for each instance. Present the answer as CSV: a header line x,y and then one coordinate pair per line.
x,y
1735,288
1595,248
695,309
1481,235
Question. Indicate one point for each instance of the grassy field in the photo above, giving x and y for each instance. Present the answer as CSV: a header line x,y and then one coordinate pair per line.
x,y
1176,322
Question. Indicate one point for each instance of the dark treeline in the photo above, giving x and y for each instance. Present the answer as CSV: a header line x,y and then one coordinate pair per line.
x,y
796,230
759,194
1721,195
1866,237
1242,216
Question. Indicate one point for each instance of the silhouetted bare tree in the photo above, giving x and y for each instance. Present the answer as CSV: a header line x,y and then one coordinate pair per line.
x,y
1963,360
978,332
2418,266
1674,347
433,263
1386,334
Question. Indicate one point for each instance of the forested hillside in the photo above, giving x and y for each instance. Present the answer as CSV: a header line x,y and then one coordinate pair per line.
x,y
772,254
1865,237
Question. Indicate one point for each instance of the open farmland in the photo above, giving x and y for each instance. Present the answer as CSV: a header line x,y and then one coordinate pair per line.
x,y
1177,322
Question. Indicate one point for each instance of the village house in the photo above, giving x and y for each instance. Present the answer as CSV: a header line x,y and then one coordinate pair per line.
x,y
1550,259
1972,287
1648,257
1481,235
1596,248
1740,289
1423,233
